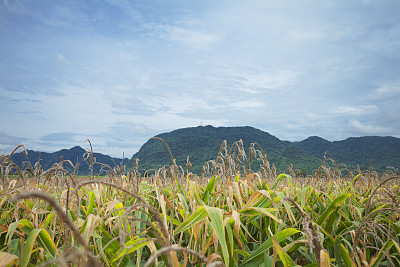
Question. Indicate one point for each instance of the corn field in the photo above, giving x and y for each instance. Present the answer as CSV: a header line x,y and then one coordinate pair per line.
x,y
229,215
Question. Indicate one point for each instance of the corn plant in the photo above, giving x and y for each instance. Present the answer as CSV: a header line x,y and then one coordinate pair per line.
x,y
227,216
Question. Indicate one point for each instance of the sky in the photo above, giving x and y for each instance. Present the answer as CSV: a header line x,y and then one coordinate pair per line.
x,y
118,72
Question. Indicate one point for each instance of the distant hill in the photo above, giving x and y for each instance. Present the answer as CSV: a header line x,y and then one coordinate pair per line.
x,y
75,155
202,143
378,151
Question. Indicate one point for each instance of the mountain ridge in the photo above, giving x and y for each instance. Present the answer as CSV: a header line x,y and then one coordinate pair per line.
x,y
74,154
202,143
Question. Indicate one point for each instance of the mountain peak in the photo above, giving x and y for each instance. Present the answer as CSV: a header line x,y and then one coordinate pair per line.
x,y
315,138
76,149
202,143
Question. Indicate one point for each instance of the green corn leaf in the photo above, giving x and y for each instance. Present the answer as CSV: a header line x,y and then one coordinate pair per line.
x,y
295,245
48,220
209,189
280,178
183,201
254,197
30,241
229,231
265,211
338,256
112,246
288,209
131,246
15,247
11,229
303,195
216,218
47,243
197,197
269,261
342,256
241,252
199,215
99,244
174,221
331,220
278,237
285,258
256,261
140,225
339,199
90,206
315,264
396,228
25,226
44,239
379,257
355,178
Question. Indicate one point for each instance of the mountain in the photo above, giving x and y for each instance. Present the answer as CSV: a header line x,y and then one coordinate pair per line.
x,y
378,151
75,155
202,143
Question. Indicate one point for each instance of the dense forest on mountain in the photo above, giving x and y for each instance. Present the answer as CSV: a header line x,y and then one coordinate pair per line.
x,y
379,152
75,155
203,143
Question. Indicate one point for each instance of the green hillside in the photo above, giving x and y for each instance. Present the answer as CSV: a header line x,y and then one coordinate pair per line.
x,y
378,151
298,158
74,154
202,143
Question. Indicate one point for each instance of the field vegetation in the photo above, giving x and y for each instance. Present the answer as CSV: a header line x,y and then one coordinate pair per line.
x,y
226,216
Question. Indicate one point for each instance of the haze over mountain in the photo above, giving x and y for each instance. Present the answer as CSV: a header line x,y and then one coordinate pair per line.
x,y
203,143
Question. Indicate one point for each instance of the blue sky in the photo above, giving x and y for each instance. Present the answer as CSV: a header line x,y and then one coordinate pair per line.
x,y
119,72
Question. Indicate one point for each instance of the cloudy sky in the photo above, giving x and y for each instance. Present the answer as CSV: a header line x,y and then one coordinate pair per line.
x,y
119,72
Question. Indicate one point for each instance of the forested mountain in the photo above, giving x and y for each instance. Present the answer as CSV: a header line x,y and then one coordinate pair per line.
x,y
75,155
202,143
380,152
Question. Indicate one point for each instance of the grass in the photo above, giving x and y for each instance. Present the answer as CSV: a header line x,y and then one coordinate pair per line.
x,y
228,216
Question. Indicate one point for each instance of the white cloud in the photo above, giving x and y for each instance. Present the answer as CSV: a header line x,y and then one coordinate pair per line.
x,y
110,68
356,110
369,129
388,89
